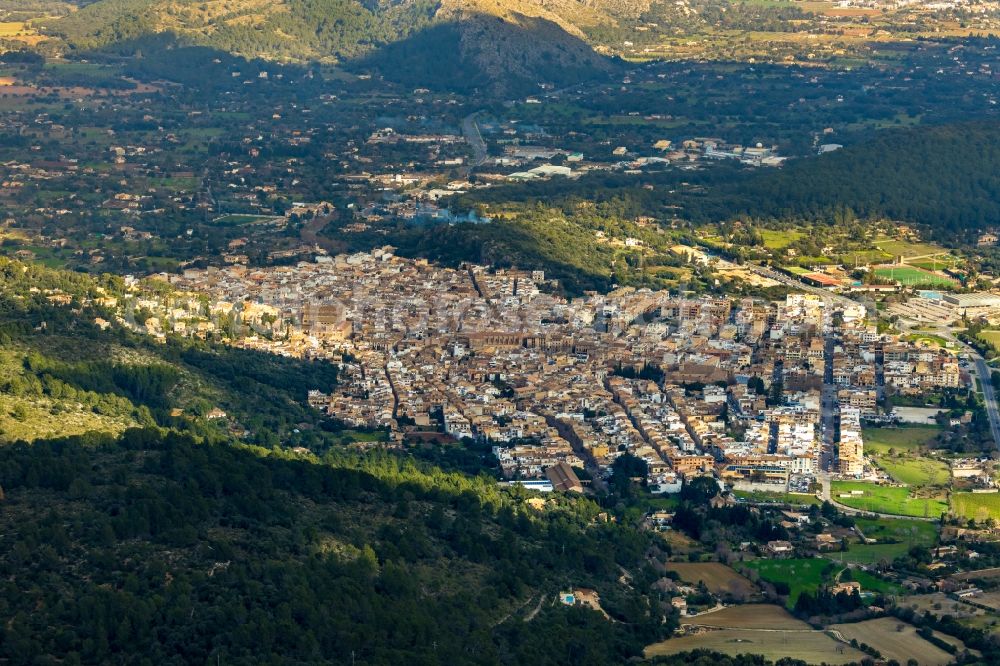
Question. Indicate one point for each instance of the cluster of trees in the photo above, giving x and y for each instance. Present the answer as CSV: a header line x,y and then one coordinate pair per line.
x,y
825,602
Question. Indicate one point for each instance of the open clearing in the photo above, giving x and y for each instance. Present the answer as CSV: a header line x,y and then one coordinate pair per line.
x,y
811,646
776,239
910,532
915,470
895,639
718,578
887,499
991,337
748,616
801,575
880,440
869,554
19,31
905,249
978,506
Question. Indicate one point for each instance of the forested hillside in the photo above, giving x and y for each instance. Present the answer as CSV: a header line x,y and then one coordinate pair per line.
x,y
946,177
156,548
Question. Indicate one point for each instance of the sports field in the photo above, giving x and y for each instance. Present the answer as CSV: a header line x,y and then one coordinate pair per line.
x,y
978,506
888,499
909,275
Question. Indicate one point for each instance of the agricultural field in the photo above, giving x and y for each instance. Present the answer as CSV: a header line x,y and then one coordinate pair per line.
x,y
811,646
936,263
801,575
977,506
749,616
907,249
718,578
880,440
909,275
680,543
992,338
18,31
777,239
915,470
895,639
910,532
890,499
869,553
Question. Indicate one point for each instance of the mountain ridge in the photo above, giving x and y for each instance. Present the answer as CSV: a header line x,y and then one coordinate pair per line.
x,y
505,46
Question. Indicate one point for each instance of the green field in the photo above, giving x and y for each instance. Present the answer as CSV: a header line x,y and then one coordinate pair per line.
x,y
915,470
915,532
880,440
904,248
908,275
796,270
991,338
776,239
887,499
977,506
872,583
801,575
938,263
869,553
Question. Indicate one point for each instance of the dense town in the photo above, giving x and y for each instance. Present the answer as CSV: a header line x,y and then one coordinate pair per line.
x,y
759,393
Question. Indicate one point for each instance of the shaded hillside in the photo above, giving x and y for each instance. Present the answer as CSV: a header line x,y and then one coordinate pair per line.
x,y
502,47
156,548
488,54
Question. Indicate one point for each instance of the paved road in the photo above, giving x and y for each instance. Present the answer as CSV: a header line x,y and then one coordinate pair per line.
x,y
989,396
827,296
470,130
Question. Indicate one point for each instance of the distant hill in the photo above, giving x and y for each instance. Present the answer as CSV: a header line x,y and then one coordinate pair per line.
x,y
497,46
